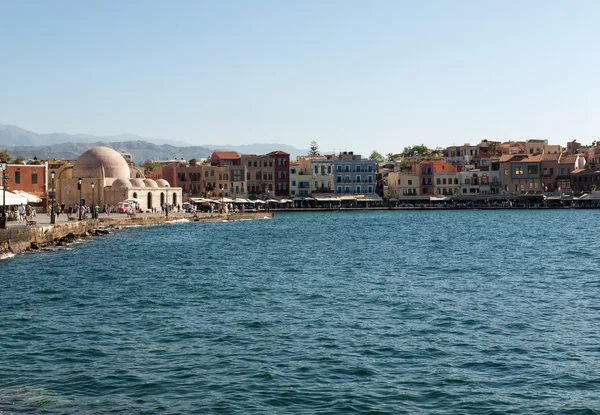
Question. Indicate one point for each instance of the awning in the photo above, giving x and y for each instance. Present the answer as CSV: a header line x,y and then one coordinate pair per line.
x,y
241,200
327,199
347,197
30,198
11,198
369,198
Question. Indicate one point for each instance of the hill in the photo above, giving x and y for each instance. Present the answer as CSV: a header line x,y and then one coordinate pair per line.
x,y
27,144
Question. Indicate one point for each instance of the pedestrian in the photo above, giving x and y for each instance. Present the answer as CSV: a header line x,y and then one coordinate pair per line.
x,y
21,213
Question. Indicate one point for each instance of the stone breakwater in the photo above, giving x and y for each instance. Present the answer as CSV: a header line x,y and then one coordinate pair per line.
x,y
21,238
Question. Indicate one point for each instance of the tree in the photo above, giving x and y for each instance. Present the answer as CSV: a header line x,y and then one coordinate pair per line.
x,y
4,156
150,166
193,162
375,155
18,160
391,157
412,151
314,149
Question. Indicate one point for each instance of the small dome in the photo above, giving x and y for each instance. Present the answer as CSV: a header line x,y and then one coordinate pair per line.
x,y
91,164
150,183
162,183
121,183
137,183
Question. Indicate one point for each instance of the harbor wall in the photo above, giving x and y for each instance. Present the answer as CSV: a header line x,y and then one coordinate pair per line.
x,y
17,239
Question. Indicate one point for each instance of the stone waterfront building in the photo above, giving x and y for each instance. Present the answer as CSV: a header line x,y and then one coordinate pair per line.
x,y
106,178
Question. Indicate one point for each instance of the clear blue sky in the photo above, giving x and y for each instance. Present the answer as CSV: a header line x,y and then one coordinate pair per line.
x,y
351,75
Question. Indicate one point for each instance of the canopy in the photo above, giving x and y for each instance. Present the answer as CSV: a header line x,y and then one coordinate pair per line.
x,y
11,198
30,198
133,200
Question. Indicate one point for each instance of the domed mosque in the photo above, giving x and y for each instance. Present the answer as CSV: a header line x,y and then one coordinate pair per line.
x,y
107,179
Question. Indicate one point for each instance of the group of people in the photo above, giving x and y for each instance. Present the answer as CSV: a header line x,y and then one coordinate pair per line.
x,y
24,213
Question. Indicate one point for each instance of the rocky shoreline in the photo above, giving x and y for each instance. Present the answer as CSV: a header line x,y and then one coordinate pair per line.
x,y
19,239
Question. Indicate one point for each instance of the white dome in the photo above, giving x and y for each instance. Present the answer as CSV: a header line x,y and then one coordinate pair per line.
x,y
101,162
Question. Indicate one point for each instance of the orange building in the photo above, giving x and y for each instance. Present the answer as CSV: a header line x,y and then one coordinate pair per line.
x,y
426,170
27,178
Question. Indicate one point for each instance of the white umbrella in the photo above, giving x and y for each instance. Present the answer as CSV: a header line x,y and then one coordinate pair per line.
x,y
11,198
30,198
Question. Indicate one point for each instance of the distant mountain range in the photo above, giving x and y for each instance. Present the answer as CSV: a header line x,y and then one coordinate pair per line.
x,y
27,144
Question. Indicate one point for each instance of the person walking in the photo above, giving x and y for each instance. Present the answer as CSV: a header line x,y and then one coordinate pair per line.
x,y
21,213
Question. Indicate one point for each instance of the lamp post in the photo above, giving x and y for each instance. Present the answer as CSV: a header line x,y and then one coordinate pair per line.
x,y
166,202
222,207
52,213
93,203
3,165
79,187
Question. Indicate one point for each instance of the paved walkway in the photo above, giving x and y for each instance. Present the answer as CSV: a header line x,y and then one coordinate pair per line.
x,y
43,219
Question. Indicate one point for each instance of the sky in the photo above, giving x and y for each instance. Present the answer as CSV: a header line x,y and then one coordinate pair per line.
x,y
351,75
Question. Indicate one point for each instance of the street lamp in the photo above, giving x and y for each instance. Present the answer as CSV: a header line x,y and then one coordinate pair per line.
x,y
52,213
93,203
3,165
166,202
222,207
79,187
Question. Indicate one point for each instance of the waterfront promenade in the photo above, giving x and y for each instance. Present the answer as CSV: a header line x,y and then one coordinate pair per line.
x,y
42,219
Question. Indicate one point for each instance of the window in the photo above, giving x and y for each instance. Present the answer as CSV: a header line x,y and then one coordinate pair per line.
x,y
328,169
456,180
532,169
293,182
506,172
409,182
357,179
358,189
17,177
370,189
439,181
468,181
444,181
293,171
519,170
316,169
551,171
34,178
339,189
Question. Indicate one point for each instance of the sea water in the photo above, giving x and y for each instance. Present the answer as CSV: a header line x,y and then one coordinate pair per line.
x,y
372,312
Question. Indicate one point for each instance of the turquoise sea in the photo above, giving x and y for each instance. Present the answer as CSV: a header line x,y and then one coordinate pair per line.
x,y
381,312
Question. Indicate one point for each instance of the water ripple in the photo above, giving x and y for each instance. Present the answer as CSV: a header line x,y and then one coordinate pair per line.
x,y
334,313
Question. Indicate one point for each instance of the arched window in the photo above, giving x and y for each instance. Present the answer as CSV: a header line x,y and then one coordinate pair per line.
x,y
149,201
174,199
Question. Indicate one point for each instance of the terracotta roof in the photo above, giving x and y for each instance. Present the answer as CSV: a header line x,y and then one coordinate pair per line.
x,y
506,158
226,154
278,153
550,157
567,160
536,157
